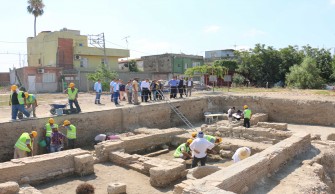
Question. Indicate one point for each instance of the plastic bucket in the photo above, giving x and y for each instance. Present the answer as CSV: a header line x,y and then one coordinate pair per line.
x,y
42,143
59,111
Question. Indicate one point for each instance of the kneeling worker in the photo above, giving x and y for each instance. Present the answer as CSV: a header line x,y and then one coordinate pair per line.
x,y
24,145
241,154
183,151
213,139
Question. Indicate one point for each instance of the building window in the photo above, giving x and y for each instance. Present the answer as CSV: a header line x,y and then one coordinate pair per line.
x,y
84,62
80,44
49,77
39,61
185,66
227,55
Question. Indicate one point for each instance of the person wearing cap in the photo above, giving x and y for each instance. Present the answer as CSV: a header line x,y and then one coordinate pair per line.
x,y
47,130
246,116
71,134
213,139
57,139
31,101
135,91
183,151
24,144
241,154
230,114
17,101
72,93
98,90
199,146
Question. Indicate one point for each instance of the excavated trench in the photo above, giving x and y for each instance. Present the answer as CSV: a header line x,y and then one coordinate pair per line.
x,y
281,161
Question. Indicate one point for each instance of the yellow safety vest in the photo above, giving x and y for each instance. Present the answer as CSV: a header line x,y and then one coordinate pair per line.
x,y
19,97
210,138
247,113
48,129
178,150
21,142
72,95
30,99
71,133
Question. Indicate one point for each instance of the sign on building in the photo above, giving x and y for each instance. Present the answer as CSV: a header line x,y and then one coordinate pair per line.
x,y
227,78
213,78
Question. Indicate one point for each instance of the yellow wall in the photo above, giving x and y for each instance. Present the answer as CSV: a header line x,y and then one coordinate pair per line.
x,y
44,47
94,62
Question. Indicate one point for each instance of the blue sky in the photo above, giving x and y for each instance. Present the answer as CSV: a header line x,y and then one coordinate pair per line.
x,y
160,26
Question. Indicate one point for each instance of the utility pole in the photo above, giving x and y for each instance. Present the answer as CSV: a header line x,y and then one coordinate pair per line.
x,y
126,38
99,40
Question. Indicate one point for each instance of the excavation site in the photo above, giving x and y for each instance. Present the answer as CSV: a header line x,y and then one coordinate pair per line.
x,y
291,149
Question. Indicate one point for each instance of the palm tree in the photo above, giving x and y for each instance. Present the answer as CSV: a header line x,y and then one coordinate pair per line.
x,y
35,7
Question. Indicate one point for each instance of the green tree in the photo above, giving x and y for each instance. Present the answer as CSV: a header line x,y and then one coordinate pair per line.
x,y
228,63
35,7
305,76
104,75
132,65
217,70
290,56
238,79
324,63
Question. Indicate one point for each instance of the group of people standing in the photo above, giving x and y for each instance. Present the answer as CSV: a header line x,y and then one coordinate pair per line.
x,y
181,86
246,115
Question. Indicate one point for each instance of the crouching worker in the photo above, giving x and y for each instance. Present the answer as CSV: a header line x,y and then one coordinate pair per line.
x,y
24,145
183,151
241,154
57,139
213,139
100,138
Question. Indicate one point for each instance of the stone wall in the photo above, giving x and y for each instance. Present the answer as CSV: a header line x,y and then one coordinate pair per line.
x,y
242,175
159,115
40,168
137,142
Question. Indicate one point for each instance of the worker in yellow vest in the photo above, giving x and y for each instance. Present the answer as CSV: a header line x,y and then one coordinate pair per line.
x,y
47,132
71,134
183,151
17,101
72,93
31,101
213,139
247,116
24,144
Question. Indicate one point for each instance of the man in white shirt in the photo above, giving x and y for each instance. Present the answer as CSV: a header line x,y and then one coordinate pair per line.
x,y
111,89
199,147
98,90
230,114
116,92
189,87
145,87
241,154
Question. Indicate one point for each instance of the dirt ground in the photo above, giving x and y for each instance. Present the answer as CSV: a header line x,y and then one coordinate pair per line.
x,y
137,183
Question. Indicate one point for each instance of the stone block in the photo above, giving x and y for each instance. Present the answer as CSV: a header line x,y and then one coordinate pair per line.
x,y
84,164
164,175
277,126
331,137
202,171
258,117
27,189
9,188
116,188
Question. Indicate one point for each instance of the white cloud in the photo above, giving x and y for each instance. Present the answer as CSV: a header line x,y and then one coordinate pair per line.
x,y
212,29
253,33
332,2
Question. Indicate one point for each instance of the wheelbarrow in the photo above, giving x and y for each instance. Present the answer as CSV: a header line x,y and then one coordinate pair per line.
x,y
61,107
